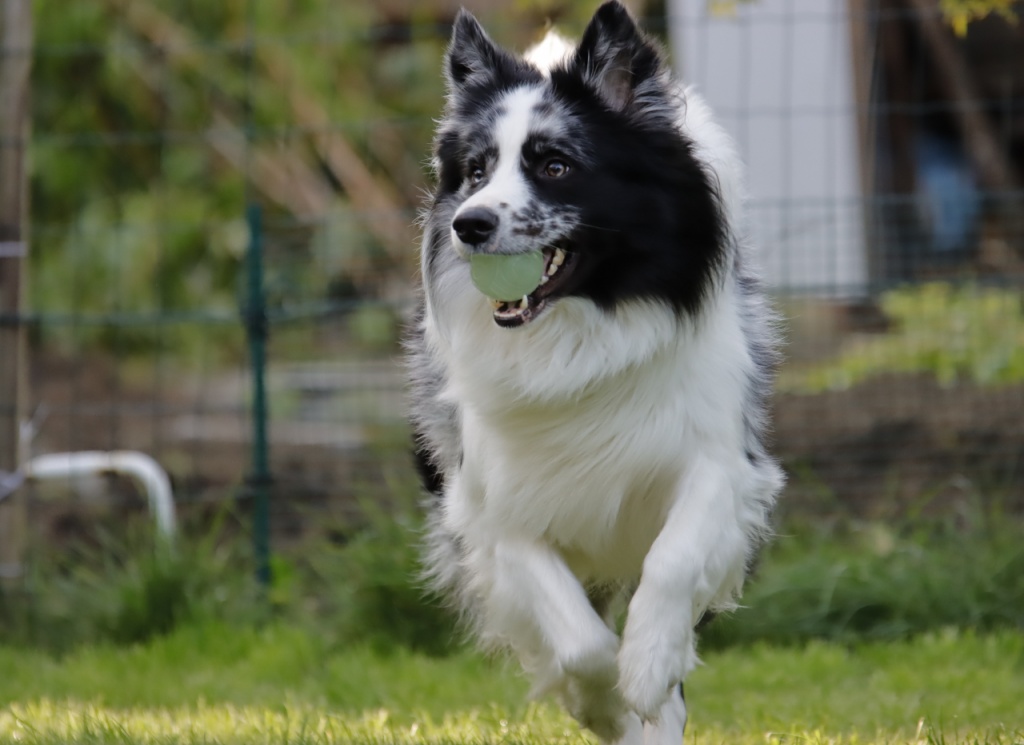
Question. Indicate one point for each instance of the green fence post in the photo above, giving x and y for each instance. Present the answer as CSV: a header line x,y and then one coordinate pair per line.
x,y
257,331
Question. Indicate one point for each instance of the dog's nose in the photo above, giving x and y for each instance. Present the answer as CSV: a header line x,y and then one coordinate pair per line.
x,y
475,226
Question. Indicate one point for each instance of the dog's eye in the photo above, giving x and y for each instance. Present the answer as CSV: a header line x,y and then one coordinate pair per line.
x,y
556,168
476,175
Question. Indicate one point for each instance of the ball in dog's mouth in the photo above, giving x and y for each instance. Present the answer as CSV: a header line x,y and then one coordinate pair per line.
x,y
494,274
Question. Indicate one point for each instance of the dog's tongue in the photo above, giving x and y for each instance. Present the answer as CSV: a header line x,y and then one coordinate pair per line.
x,y
507,276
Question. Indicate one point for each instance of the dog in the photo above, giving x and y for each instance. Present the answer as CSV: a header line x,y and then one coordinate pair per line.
x,y
601,439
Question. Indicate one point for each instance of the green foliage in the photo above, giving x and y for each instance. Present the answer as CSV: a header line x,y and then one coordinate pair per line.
x,y
965,333
121,213
129,587
882,582
143,152
361,584
959,13
366,580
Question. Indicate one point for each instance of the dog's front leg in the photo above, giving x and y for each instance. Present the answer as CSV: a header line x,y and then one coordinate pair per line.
x,y
699,546
538,605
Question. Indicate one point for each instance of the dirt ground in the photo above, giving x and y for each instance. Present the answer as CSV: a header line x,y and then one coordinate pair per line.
x,y
901,444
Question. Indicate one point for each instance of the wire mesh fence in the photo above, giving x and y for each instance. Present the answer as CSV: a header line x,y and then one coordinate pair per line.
x,y
884,152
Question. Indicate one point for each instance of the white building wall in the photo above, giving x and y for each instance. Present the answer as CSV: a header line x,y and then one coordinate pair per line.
x,y
778,74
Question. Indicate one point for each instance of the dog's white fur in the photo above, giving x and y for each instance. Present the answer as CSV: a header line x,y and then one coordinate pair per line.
x,y
597,448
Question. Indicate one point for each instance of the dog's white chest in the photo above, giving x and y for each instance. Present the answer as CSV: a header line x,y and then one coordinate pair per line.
x,y
591,468
592,475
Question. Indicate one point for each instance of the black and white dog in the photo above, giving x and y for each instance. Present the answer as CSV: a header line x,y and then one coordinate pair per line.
x,y
600,437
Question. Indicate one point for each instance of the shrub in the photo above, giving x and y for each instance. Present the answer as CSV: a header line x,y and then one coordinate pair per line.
x,y
367,582
955,333
843,583
876,581
129,587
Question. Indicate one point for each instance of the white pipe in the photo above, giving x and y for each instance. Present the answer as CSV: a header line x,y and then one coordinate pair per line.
x,y
150,475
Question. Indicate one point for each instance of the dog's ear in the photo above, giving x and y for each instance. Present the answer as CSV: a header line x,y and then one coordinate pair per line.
x,y
614,58
472,57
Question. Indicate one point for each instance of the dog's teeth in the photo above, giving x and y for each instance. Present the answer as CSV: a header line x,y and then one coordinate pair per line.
x,y
524,303
558,258
496,304
545,278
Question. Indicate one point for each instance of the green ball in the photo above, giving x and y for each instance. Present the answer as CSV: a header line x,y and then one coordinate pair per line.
x,y
507,276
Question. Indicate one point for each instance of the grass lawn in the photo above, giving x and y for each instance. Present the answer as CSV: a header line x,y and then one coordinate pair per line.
x,y
280,685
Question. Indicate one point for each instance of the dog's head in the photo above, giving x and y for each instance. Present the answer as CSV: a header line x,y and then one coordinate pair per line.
x,y
579,156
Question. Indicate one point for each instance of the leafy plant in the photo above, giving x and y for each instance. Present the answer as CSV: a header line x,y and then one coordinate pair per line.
x,y
956,333
845,582
130,586
123,585
959,13
878,581
366,580
156,122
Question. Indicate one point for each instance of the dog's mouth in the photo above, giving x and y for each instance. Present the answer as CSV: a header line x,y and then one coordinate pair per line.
x,y
559,264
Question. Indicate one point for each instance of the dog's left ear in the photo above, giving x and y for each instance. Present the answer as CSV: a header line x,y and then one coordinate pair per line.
x,y
472,57
614,58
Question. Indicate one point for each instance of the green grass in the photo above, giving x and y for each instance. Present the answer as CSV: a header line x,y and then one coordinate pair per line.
x,y
213,683
854,634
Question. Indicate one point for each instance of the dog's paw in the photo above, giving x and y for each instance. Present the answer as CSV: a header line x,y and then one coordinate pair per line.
x,y
645,686
598,706
632,732
670,725
650,668
625,727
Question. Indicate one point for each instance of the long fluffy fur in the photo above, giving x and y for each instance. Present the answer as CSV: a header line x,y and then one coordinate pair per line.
x,y
613,444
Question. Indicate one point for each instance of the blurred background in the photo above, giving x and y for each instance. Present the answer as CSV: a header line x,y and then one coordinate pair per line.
x,y
208,252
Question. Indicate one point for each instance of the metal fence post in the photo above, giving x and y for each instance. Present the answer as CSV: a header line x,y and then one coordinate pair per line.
x,y
15,64
257,332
